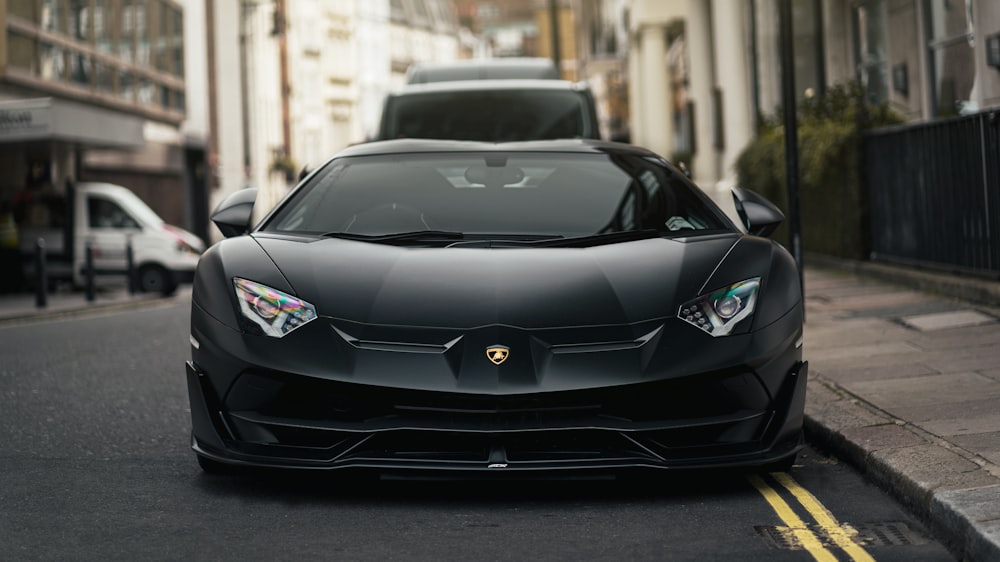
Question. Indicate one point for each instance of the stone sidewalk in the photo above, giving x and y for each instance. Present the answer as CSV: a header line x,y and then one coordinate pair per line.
x,y
905,386
66,303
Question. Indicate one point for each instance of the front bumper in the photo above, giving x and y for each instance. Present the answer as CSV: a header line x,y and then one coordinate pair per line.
x,y
657,394
725,419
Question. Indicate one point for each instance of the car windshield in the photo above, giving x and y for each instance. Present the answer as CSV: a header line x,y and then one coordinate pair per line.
x,y
489,115
526,196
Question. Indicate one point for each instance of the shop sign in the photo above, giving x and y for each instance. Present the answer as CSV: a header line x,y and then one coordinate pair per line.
x,y
19,121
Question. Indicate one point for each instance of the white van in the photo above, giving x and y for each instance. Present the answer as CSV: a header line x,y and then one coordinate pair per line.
x,y
108,218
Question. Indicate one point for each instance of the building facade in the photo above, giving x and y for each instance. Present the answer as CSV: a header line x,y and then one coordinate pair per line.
x,y
297,81
702,73
95,90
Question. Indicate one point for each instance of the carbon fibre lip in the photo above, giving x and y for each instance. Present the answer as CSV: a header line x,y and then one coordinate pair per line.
x,y
777,453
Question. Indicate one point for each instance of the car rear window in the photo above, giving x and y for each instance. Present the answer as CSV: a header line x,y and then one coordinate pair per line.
x,y
553,194
489,115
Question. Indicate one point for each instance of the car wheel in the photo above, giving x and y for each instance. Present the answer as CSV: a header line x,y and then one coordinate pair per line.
x,y
214,467
155,279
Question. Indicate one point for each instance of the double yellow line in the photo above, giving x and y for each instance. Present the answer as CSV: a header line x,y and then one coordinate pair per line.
x,y
804,535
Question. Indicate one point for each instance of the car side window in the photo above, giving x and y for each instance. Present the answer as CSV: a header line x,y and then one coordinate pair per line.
x,y
104,213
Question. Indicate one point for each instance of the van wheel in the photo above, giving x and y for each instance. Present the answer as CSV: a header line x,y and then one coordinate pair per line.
x,y
155,279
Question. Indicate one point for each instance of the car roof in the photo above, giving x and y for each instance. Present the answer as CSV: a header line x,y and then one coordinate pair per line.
x,y
483,85
415,146
472,69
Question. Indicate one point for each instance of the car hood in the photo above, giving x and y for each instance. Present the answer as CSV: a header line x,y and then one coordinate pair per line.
x,y
529,288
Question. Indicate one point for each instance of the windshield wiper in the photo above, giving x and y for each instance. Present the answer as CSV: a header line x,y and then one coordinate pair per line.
x,y
419,235
598,239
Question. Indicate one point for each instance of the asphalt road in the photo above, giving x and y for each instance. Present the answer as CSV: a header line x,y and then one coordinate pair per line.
x,y
95,464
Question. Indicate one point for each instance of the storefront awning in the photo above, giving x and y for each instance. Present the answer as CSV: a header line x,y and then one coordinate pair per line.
x,y
50,119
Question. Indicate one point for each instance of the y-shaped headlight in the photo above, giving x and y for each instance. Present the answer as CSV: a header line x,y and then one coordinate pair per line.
x,y
719,312
275,312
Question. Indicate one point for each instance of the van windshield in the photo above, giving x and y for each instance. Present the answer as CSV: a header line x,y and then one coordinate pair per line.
x,y
489,115
139,209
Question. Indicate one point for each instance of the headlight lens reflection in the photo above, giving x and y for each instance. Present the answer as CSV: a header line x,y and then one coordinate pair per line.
x,y
718,313
276,313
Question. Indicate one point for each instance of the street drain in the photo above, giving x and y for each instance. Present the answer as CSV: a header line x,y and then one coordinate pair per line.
x,y
888,534
894,533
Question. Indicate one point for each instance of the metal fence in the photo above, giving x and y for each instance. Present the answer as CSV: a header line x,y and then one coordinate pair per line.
x,y
935,194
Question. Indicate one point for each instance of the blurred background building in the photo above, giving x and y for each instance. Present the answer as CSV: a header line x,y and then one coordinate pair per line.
x,y
186,101
703,72
97,90
304,79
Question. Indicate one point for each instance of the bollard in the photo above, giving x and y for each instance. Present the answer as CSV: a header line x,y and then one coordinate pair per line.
x,y
130,267
89,271
41,283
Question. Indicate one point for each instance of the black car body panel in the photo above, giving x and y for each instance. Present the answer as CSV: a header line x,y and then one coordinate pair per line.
x,y
399,370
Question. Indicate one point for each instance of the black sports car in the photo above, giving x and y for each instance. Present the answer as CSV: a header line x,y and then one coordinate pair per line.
x,y
459,306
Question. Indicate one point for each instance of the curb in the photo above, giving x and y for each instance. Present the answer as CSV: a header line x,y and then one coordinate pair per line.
x,y
79,310
966,520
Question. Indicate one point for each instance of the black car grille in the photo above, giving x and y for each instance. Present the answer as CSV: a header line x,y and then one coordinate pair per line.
x,y
273,414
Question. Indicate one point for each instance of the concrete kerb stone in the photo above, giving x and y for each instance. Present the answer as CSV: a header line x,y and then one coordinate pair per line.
x,y
955,509
937,483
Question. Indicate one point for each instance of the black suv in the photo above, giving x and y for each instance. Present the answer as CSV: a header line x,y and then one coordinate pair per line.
x,y
491,110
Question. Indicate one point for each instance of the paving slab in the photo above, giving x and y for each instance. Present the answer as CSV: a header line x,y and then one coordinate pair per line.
x,y
826,354
904,385
882,368
928,391
946,320
969,359
885,436
986,445
972,407
962,339
968,424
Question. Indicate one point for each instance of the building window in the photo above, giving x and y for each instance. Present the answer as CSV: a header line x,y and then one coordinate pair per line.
x,y
128,53
870,49
952,57
807,29
52,15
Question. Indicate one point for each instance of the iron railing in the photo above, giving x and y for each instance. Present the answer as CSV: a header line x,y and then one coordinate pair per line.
x,y
935,194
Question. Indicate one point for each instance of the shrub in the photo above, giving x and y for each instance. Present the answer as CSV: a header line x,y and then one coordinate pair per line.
x,y
833,197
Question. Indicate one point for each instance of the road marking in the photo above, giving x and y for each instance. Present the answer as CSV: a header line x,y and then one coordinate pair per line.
x,y
837,533
841,535
806,538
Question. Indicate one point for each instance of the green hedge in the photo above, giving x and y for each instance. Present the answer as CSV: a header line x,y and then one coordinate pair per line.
x,y
833,197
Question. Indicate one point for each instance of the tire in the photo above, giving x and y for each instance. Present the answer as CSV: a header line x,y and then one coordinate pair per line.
x,y
156,279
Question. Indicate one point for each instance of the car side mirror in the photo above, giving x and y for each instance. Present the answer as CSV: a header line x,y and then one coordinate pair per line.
x,y
232,216
759,216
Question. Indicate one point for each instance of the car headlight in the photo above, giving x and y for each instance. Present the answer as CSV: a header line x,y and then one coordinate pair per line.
x,y
274,312
719,312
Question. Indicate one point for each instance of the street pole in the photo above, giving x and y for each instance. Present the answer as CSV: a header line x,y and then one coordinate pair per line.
x,y
788,98
41,277
554,28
